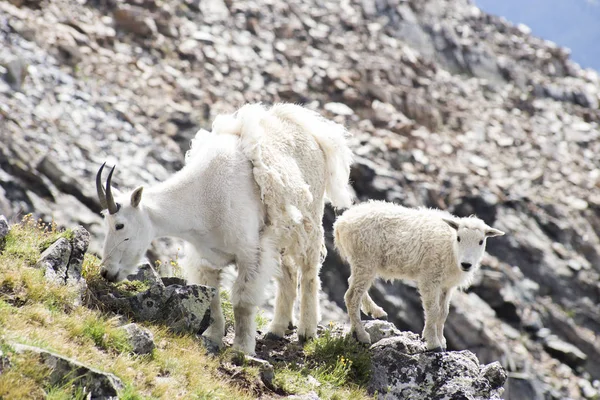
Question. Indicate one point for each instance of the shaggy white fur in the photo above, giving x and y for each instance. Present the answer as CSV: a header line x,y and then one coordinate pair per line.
x,y
251,191
434,248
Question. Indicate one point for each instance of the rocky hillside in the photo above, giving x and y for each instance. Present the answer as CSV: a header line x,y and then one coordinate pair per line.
x,y
66,333
449,107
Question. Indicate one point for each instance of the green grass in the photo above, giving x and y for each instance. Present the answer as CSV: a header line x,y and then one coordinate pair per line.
x,y
102,332
339,360
27,240
35,312
334,367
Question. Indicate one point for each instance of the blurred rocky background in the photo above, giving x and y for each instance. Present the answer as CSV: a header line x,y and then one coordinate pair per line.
x,y
449,107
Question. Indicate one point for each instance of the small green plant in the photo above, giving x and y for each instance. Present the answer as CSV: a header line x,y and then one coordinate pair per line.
x,y
103,333
261,320
340,359
66,392
226,306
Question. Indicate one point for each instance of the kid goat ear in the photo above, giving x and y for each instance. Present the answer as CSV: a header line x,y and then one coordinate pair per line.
x,y
452,223
491,232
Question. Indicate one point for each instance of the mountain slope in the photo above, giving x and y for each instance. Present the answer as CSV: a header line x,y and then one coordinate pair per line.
x,y
449,107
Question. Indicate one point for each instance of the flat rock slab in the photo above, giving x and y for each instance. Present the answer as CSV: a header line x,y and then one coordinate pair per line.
x,y
97,384
565,352
401,370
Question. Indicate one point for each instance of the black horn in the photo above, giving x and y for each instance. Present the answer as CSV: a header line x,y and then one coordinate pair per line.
x,y
100,189
110,200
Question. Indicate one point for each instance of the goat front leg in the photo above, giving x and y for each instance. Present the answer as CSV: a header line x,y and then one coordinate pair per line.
x,y
255,269
287,286
445,297
245,297
433,315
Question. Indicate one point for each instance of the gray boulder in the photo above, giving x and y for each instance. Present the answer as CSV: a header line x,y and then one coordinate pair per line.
x,y
4,362
79,246
97,384
184,308
380,330
140,339
401,370
146,273
55,260
3,227
63,260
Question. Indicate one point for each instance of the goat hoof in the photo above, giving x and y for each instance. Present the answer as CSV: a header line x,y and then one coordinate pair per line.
x,y
438,349
366,341
211,346
291,326
302,339
272,336
383,317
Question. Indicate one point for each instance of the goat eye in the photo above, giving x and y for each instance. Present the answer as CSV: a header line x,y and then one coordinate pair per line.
x,y
119,227
480,242
458,238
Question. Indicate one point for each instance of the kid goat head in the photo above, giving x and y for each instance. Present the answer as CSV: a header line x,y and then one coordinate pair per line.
x,y
471,235
128,230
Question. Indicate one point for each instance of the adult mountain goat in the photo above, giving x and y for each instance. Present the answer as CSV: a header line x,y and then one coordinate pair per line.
x,y
438,250
252,193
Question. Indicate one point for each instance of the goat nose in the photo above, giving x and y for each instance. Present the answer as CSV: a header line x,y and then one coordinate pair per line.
x,y
466,266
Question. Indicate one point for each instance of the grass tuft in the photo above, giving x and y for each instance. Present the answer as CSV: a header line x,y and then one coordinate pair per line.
x,y
102,332
334,367
339,360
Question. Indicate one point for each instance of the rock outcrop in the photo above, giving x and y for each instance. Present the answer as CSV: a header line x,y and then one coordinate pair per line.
x,y
402,368
181,307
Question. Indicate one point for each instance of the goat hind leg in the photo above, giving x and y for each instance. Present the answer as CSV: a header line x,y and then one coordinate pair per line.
x,y
310,284
371,308
359,284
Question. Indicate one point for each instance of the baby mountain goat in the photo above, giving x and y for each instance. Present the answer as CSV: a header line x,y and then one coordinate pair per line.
x,y
252,193
439,251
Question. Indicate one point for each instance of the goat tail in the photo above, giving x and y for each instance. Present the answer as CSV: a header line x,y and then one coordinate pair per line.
x,y
331,137
337,240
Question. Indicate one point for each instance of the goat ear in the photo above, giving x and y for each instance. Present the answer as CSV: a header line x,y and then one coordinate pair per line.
x,y
491,232
136,196
452,223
